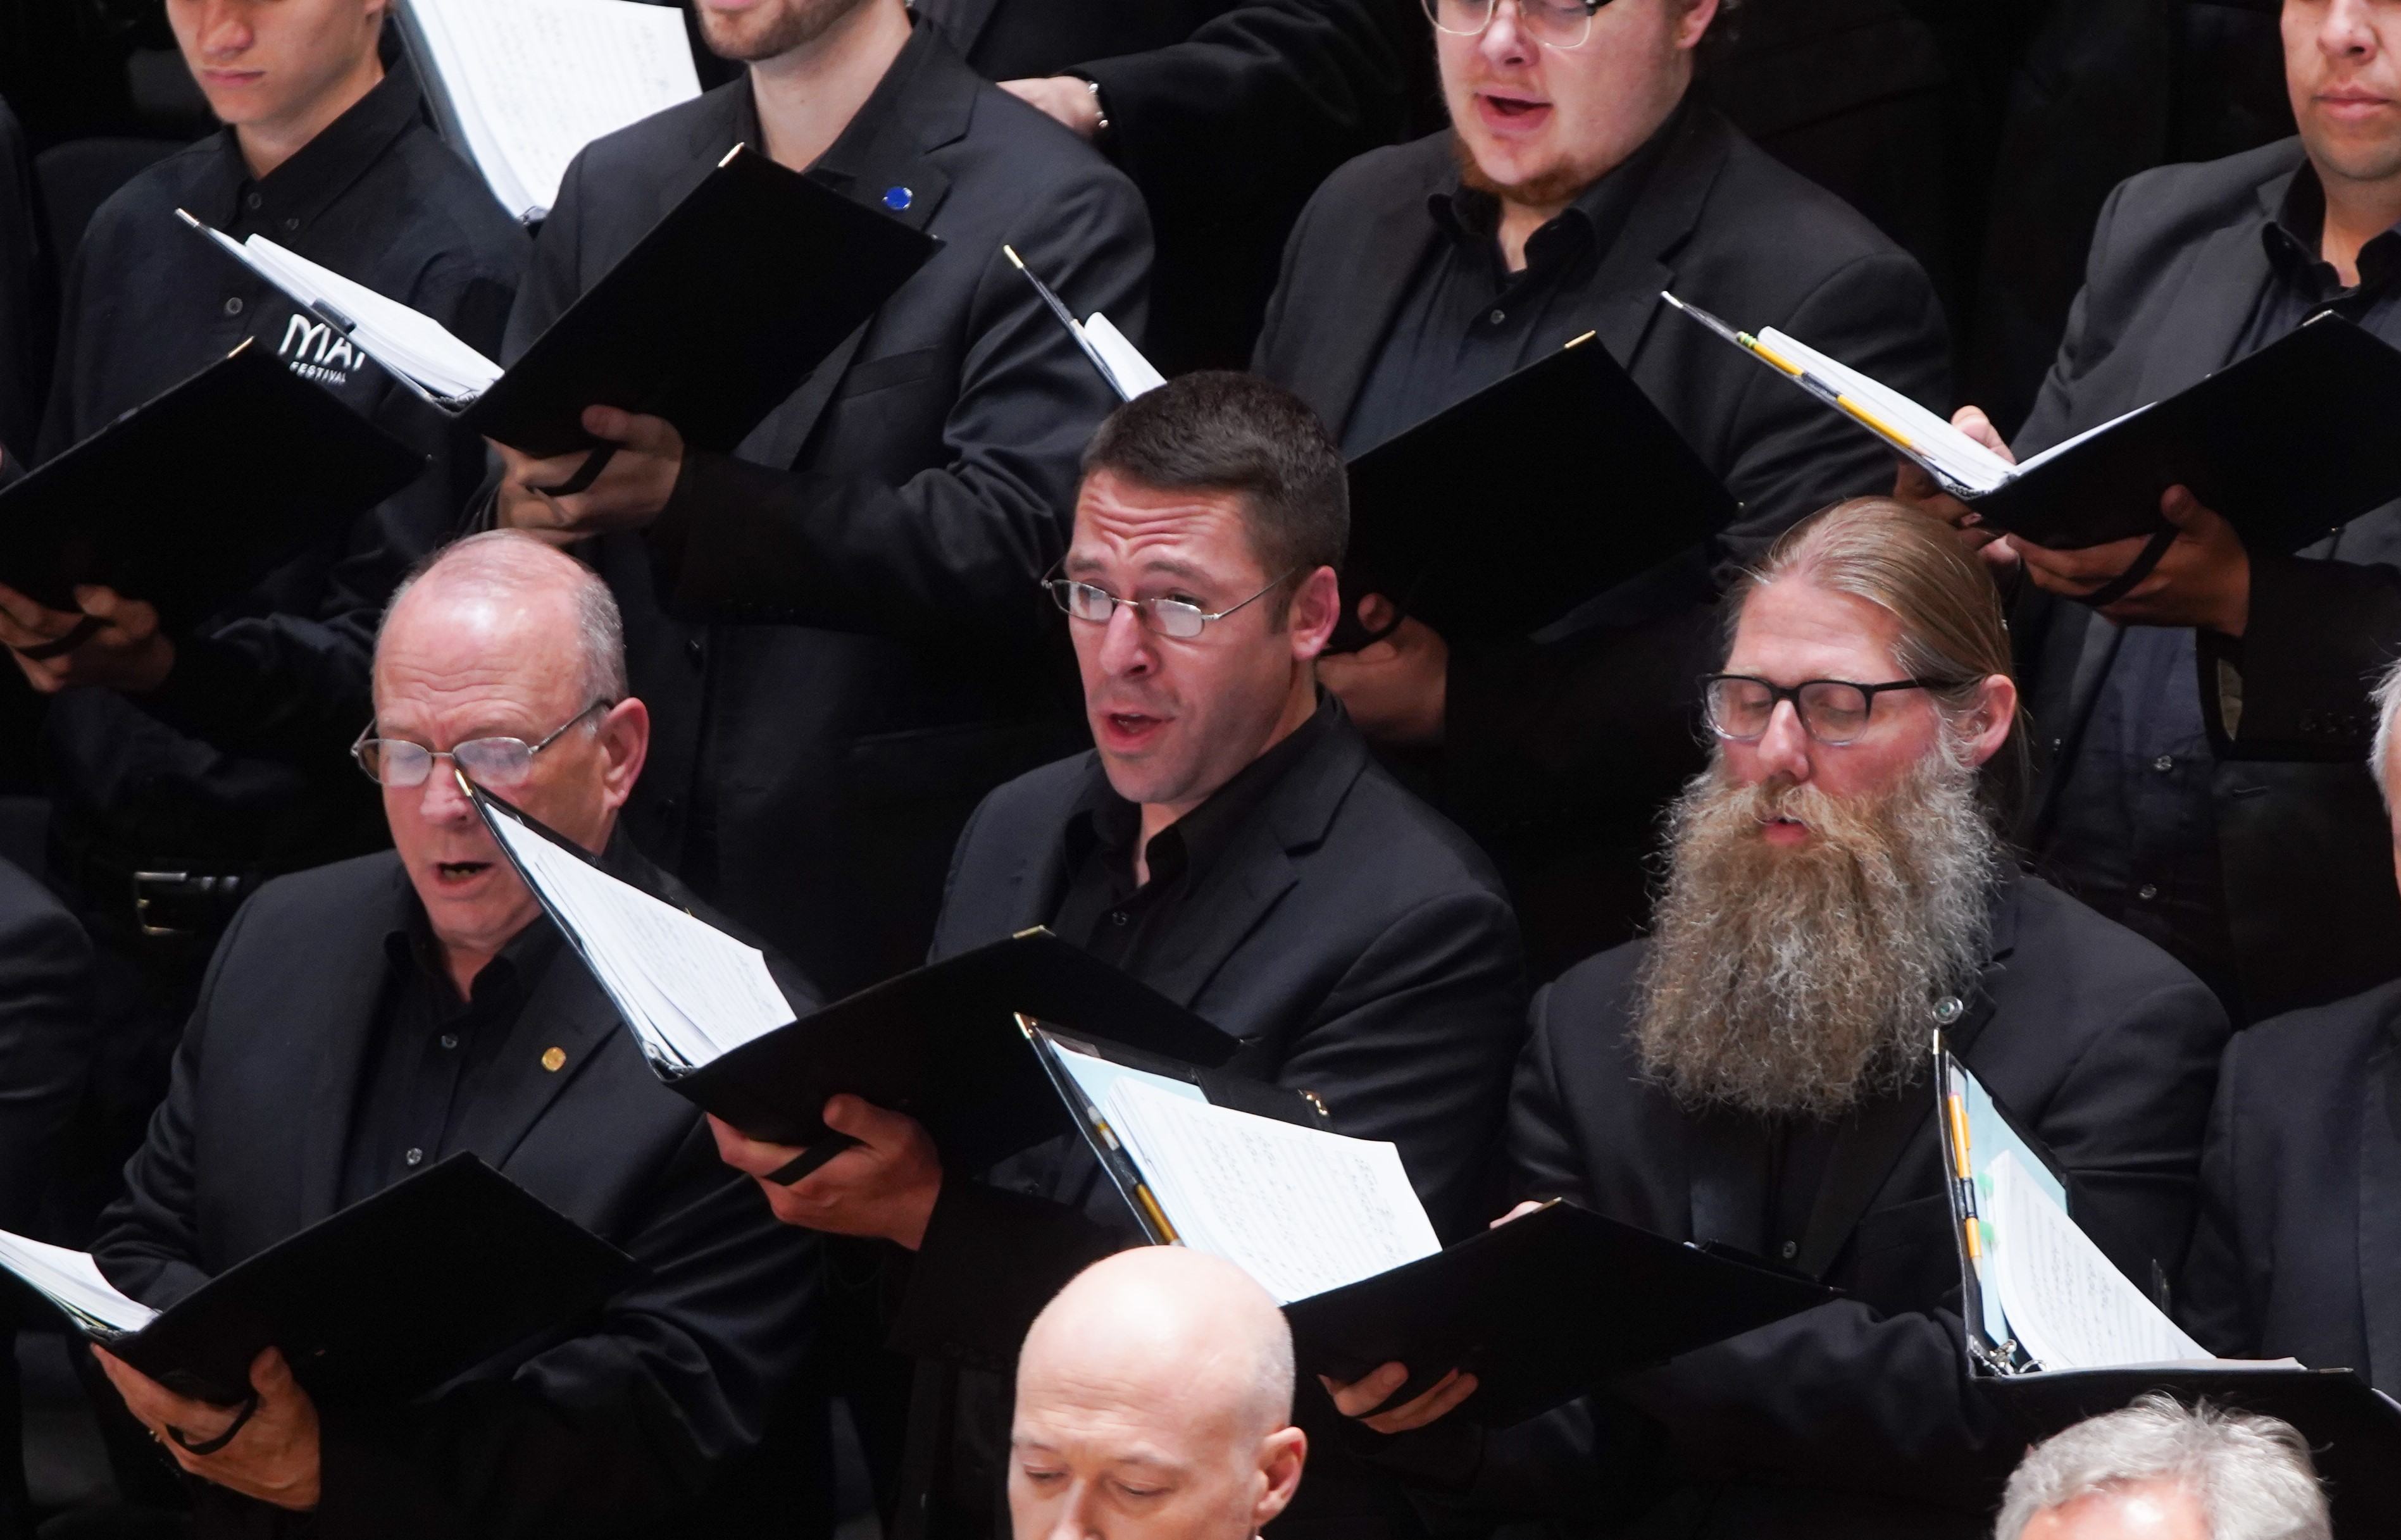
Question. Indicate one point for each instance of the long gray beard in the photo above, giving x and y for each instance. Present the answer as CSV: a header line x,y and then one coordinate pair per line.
x,y
1801,982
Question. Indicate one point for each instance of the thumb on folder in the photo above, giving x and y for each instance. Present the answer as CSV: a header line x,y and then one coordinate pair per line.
x,y
883,1186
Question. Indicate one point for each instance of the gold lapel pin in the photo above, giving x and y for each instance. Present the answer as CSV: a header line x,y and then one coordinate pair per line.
x,y
554,1059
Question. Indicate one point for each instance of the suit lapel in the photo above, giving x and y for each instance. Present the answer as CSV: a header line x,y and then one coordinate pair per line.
x,y
1636,269
923,103
565,1023
2212,305
2379,1212
346,1001
1355,311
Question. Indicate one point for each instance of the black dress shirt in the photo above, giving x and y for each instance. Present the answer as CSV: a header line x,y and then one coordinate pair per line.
x,y
1121,922
239,758
2137,835
1465,321
430,1052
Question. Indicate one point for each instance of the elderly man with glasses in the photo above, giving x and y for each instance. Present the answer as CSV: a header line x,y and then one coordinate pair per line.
x,y
1228,841
1581,175
364,1020
1755,1072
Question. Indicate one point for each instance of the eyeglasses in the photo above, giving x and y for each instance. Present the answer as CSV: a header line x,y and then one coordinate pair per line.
x,y
501,762
1834,712
1553,23
1180,618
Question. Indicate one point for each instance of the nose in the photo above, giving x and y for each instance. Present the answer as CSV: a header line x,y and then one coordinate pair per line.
x,y
1504,41
1127,648
223,29
440,801
1076,1518
1786,747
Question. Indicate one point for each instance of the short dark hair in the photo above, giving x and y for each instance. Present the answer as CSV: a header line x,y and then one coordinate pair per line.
x,y
1221,431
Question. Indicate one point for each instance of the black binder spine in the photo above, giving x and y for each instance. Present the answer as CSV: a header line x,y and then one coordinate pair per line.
x,y
1091,1122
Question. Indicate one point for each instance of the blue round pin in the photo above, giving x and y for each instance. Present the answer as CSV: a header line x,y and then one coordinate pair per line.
x,y
897,198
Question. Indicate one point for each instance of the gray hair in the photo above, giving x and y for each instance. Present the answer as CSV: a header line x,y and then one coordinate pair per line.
x,y
2387,699
2251,1475
511,567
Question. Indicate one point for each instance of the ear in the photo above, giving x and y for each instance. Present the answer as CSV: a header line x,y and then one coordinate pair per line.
x,y
1989,722
1316,608
1693,24
1282,1453
625,746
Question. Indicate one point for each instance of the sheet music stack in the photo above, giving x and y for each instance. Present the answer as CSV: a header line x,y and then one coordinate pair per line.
x,y
520,86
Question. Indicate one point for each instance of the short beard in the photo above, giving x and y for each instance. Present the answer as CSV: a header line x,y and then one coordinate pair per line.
x,y
1788,982
1559,185
798,23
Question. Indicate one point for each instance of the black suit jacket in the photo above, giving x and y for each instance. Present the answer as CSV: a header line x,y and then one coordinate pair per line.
x,y
2176,267
1226,113
619,1425
837,628
1856,1419
2297,1251
1353,943
1533,733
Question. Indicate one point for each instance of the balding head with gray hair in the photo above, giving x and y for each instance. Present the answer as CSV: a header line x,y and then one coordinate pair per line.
x,y
511,568
2206,1472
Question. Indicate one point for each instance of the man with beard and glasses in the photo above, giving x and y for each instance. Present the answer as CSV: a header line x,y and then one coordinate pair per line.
x,y
1583,173
1754,1073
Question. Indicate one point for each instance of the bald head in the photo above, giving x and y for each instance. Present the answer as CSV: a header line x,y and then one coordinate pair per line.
x,y
501,637
1154,1398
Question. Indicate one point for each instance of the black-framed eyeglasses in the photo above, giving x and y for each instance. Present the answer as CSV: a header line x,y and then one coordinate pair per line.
x,y
1180,618
497,762
1834,712
1553,23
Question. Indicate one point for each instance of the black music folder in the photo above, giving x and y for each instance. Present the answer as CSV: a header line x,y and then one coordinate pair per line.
x,y
2288,443
193,496
710,321
1502,513
385,1300
1543,1309
941,1043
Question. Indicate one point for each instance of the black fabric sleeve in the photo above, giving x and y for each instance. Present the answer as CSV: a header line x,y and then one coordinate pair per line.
x,y
2216,1303
2320,635
991,1259
46,1025
956,548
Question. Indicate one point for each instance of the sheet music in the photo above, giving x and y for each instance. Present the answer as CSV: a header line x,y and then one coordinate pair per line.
x,y
534,81
1950,452
72,1281
688,989
1130,374
1097,1076
1300,1211
2069,1305
402,340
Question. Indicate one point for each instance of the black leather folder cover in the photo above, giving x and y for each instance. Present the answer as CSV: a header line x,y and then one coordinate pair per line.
x,y
196,495
714,317
2288,443
390,1297
2355,1433
1496,516
1541,1310
942,1045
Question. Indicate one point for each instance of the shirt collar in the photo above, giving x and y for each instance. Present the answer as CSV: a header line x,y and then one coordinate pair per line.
x,y
290,196
1103,820
1591,223
881,140
2296,230
413,952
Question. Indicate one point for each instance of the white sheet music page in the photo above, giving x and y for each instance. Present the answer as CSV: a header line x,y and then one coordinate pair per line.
x,y
404,340
1128,371
72,1281
2069,1305
534,81
691,992
1298,1209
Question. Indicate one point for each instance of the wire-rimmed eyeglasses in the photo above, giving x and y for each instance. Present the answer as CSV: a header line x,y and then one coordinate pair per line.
x,y
1553,23
1180,618
498,762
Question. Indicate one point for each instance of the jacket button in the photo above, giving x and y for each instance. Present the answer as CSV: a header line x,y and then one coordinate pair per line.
x,y
233,306
697,650
2147,892
1791,1249
2164,763
415,1156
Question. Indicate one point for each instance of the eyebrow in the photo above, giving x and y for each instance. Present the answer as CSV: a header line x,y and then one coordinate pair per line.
x,y
1169,567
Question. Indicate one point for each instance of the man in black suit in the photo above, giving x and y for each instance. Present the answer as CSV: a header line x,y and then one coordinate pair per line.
x,y
836,624
1226,113
2205,731
45,1015
2298,1251
1580,178
365,1019
1229,841
1754,1072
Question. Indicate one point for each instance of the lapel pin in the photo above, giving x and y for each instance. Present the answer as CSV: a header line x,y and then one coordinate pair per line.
x,y
898,199
554,1059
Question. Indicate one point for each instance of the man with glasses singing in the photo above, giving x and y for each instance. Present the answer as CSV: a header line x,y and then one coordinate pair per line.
x,y
1580,177
1229,841
1755,1072
364,1020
